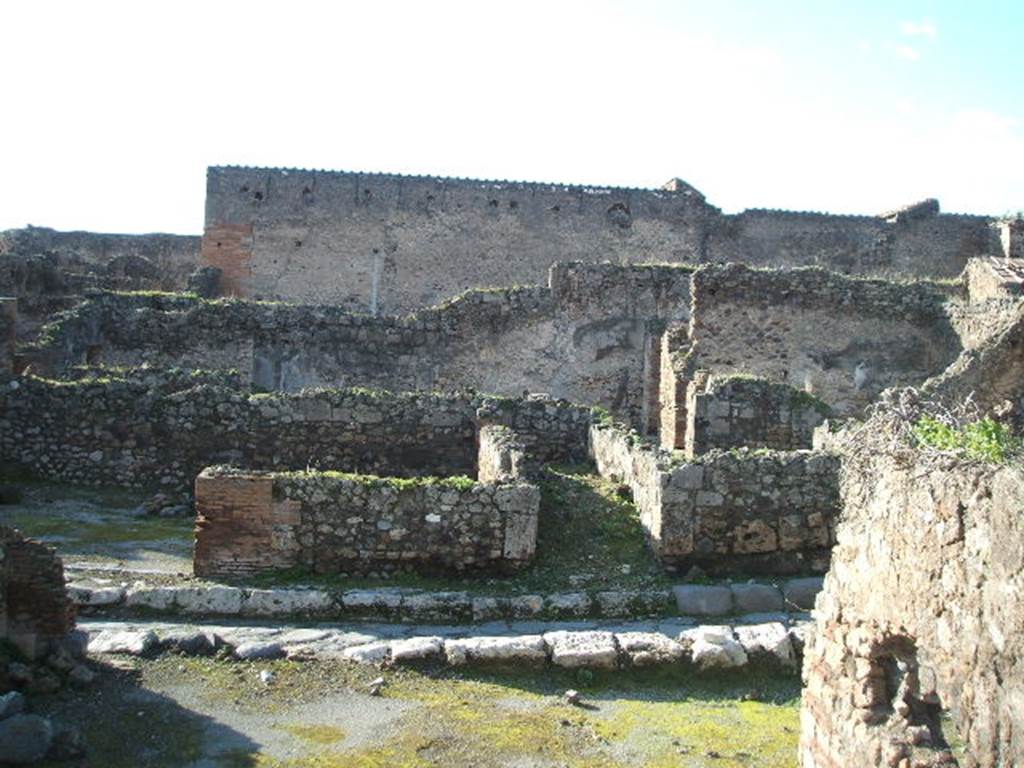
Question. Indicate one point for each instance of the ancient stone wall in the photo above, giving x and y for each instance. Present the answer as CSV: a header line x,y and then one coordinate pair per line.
x,y
49,270
380,243
128,432
8,333
755,512
35,611
581,339
840,339
921,613
747,411
924,246
331,523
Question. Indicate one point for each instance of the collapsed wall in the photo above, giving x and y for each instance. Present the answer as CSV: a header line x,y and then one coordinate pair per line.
x,y
382,243
130,433
586,338
842,340
36,613
49,271
921,614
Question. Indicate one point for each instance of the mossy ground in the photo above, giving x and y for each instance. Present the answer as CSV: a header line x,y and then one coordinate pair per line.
x,y
177,712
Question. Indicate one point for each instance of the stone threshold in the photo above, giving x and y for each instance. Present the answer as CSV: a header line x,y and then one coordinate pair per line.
x,y
98,596
752,641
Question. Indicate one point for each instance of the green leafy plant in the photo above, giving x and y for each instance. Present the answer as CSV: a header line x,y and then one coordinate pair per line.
x,y
984,440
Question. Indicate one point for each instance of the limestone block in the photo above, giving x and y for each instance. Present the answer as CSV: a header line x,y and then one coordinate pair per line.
x,y
157,598
713,647
372,653
646,648
800,593
756,598
85,595
383,601
286,602
703,600
583,649
259,650
489,608
437,605
631,603
517,648
569,604
416,649
215,600
767,639
525,606
133,642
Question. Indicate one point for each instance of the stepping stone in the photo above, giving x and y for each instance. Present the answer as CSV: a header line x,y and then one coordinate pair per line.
x,y
583,649
516,648
703,600
647,648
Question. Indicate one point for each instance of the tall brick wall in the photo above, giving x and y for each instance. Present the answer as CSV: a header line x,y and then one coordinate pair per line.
x,y
918,642
35,611
228,247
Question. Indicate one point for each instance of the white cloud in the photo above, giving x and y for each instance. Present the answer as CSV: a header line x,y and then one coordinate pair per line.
x,y
907,52
920,29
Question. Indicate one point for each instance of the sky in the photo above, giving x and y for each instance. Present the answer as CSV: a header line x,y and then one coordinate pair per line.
x,y
111,111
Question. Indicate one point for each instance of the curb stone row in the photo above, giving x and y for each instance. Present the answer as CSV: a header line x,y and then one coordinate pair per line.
x,y
563,644
99,595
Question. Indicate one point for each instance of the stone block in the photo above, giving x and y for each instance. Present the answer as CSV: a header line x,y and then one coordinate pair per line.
x,y
713,647
583,649
515,649
756,598
800,593
648,648
703,600
771,640
416,649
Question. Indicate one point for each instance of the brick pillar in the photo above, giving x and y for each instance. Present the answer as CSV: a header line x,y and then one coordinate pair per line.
x,y
240,528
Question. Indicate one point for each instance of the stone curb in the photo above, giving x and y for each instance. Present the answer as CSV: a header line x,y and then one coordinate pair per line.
x,y
218,600
642,644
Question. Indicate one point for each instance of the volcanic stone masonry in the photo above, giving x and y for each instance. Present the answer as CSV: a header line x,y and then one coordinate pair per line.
x,y
922,613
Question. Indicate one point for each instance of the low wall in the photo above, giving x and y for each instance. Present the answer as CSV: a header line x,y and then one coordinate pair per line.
x,y
746,411
35,610
128,432
332,523
921,613
763,512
